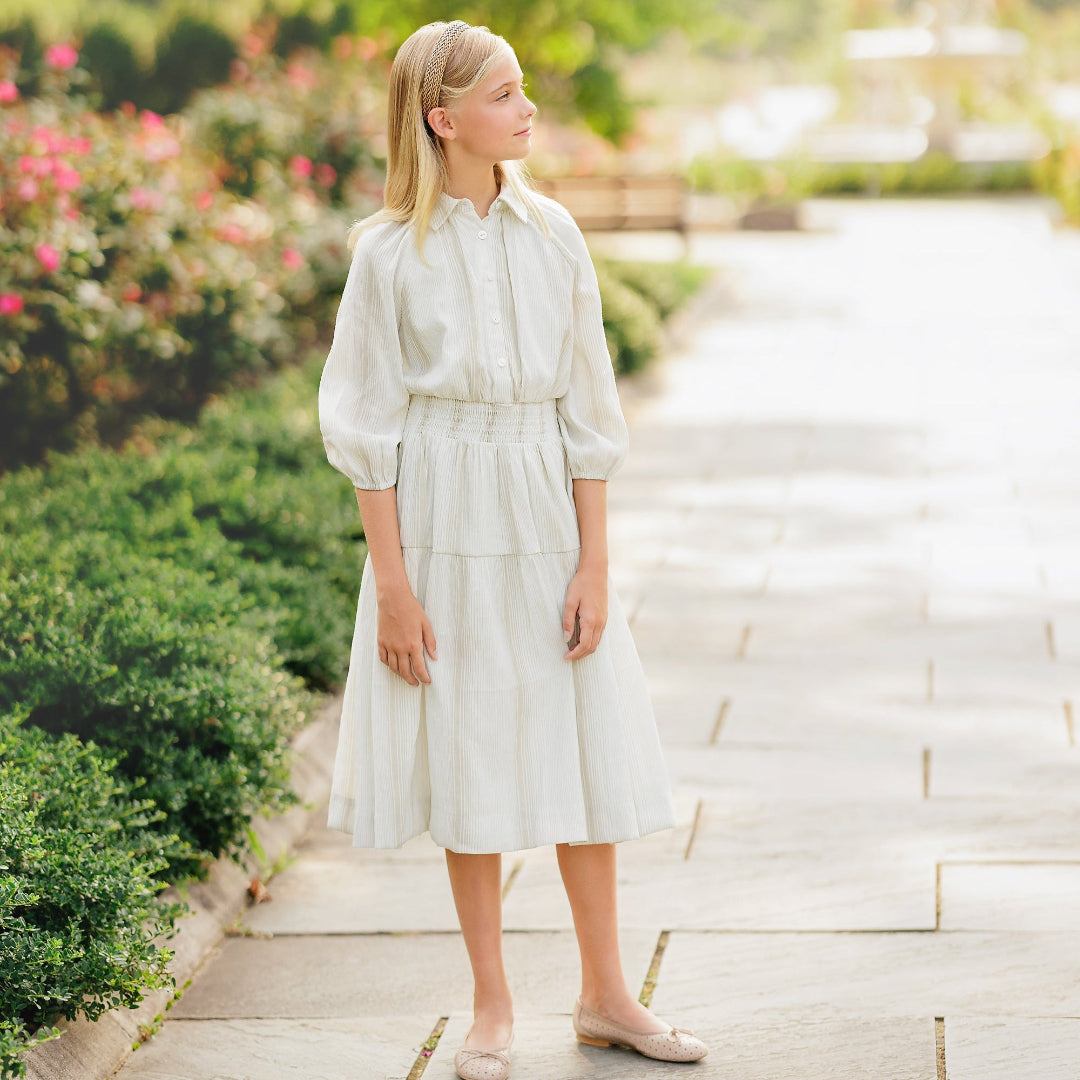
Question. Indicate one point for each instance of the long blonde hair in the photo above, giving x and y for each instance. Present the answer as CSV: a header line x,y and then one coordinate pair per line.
x,y
416,171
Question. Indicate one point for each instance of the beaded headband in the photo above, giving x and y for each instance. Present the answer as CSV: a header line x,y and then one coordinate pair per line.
x,y
436,65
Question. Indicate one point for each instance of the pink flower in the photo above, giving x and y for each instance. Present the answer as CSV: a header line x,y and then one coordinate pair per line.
x,y
27,188
131,292
325,174
300,77
204,200
150,119
143,199
231,233
251,45
291,259
48,256
81,145
10,303
8,91
300,166
61,56
66,178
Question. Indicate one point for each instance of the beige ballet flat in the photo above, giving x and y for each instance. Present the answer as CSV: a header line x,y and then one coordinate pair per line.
x,y
474,1064
676,1044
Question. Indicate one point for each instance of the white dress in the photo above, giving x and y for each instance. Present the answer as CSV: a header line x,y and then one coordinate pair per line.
x,y
481,386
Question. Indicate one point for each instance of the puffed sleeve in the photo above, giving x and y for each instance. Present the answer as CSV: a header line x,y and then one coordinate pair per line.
x,y
590,415
362,394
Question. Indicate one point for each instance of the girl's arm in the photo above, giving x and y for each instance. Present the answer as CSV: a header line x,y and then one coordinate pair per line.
x,y
585,611
403,627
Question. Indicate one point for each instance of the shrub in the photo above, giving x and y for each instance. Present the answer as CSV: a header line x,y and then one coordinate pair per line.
x,y
146,659
133,282
631,323
81,922
666,286
244,498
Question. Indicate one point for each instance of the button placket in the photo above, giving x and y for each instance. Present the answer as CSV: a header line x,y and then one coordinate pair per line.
x,y
496,344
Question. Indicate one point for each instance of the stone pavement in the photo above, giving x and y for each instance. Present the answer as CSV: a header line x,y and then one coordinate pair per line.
x,y
847,538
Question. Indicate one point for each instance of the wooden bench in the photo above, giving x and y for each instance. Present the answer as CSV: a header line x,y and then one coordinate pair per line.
x,y
622,202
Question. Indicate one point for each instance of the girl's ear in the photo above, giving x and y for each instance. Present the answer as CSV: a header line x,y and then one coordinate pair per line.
x,y
441,123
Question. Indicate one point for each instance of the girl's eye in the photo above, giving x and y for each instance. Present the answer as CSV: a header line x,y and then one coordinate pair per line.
x,y
507,93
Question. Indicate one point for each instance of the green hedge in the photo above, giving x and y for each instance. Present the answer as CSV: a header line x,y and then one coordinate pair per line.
x,y
636,298
81,922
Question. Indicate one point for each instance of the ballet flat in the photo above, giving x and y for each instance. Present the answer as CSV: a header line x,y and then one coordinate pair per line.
x,y
675,1044
474,1064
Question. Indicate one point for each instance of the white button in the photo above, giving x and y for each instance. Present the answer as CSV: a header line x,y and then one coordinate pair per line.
x,y
502,361
482,234
494,318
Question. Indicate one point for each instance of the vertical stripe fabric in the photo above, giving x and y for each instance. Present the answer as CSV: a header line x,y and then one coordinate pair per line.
x,y
480,386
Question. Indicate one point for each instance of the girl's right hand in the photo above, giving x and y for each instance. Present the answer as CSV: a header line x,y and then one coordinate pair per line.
x,y
404,630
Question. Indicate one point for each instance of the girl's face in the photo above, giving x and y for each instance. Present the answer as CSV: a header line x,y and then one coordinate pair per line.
x,y
494,120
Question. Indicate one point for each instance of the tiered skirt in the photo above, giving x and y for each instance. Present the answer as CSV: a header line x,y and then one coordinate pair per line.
x,y
509,746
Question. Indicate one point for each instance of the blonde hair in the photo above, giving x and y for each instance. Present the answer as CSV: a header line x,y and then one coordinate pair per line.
x,y
416,171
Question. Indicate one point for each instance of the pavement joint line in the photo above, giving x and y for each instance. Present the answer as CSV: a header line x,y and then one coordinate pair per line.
x,y
1050,644
512,876
937,895
1009,862
693,828
721,714
744,641
427,1050
1043,581
1070,725
765,581
780,531
926,772
939,1044
648,988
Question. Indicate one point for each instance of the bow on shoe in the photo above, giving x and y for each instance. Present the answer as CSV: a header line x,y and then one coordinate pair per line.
x,y
675,1031
473,1052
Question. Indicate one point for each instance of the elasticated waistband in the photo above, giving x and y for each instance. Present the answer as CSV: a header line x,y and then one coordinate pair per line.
x,y
483,421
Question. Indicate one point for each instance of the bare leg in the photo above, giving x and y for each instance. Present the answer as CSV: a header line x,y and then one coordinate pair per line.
x,y
588,872
476,881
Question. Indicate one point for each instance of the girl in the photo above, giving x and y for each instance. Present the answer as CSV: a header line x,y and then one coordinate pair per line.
x,y
495,696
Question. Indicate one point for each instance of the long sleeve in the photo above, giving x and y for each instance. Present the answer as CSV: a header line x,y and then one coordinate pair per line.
x,y
362,394
590,413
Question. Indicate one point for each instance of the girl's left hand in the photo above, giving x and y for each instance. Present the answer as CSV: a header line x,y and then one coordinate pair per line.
x,y
585,614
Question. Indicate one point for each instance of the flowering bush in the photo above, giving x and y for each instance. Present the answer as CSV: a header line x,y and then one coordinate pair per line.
x,y
146,262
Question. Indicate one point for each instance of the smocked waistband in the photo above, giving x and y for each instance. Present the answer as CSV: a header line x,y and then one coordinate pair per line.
x,y
484,421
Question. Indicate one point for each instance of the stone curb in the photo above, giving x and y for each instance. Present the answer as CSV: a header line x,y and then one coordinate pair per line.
x,y
95,1050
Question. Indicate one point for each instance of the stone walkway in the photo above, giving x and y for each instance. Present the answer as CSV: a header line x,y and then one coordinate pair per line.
x,y
847,535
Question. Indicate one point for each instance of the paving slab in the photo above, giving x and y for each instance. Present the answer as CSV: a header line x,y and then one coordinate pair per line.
x,y
1004,1048
868,975
1021,896
312,976
372,1047
773,1048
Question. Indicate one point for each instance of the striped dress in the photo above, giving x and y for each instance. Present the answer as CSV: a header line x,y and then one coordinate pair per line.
x,y
476,379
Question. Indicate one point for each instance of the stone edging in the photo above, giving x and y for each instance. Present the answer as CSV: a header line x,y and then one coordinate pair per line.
x,y
95,1050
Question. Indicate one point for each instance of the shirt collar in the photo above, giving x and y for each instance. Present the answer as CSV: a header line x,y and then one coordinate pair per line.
x,y
447,204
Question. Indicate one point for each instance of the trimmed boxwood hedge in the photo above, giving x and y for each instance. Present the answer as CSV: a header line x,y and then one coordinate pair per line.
x,y
81,922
